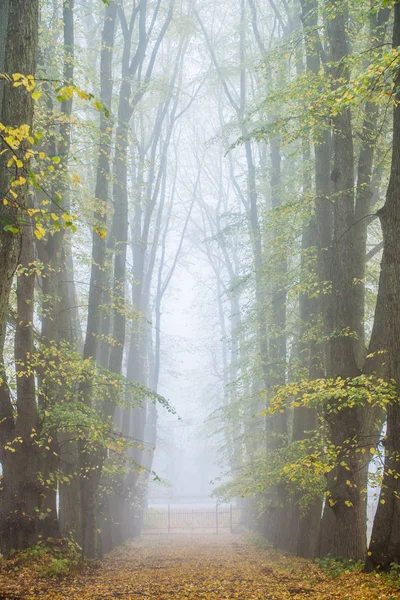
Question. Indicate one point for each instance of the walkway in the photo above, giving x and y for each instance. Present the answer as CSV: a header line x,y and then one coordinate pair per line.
x,y
208,567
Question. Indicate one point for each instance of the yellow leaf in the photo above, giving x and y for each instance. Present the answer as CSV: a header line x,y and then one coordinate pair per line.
x,y
101,232
82,94
32,211
39,231
19,181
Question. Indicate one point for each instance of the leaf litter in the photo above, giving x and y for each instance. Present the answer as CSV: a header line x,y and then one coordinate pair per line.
x,y
210,567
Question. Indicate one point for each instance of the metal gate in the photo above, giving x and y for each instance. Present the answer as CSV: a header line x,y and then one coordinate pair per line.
x,y
194,519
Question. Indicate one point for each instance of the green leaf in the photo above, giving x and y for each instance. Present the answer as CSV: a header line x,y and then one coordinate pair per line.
x,y
11,229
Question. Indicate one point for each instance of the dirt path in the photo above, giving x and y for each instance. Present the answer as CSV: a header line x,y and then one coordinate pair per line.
x,y
211,567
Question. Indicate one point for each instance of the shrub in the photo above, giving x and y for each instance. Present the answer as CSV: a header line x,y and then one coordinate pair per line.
x,y
338,566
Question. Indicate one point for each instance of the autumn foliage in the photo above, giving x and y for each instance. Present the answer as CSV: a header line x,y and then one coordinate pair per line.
x,y
209,567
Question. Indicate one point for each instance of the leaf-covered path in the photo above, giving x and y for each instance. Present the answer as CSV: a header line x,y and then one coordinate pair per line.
x,y
198,568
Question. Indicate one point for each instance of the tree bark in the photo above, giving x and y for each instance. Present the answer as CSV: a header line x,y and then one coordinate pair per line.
x,y
4,9
22,493
343,528
385,541
98,279
364,193
56,322
16,109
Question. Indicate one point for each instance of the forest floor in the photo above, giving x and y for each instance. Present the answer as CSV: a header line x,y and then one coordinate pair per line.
x,y
202,567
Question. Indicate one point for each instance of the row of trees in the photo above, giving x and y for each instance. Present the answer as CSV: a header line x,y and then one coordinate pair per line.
x,y
302,242
271,123
91,96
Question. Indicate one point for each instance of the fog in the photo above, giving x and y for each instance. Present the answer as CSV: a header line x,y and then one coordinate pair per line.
x,y
198,304
187,456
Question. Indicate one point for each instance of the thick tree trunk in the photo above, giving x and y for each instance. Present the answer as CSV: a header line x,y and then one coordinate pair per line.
x,y
55,320
98,279
343,531
4,9
22,492
364,192
20,56
385,541
343,528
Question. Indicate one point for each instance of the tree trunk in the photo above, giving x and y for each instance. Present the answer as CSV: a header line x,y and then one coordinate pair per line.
x,y
98,278
385,541
120,236
17,109
22,492
4,9
277,519
364,193
343,528
54,318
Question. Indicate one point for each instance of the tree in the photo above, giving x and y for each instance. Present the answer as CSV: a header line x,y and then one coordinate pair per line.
x,y
20,491
385,540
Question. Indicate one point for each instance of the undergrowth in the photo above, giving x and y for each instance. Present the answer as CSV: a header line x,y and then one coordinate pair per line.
x,y
52,558
393,576
334,567
338,566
